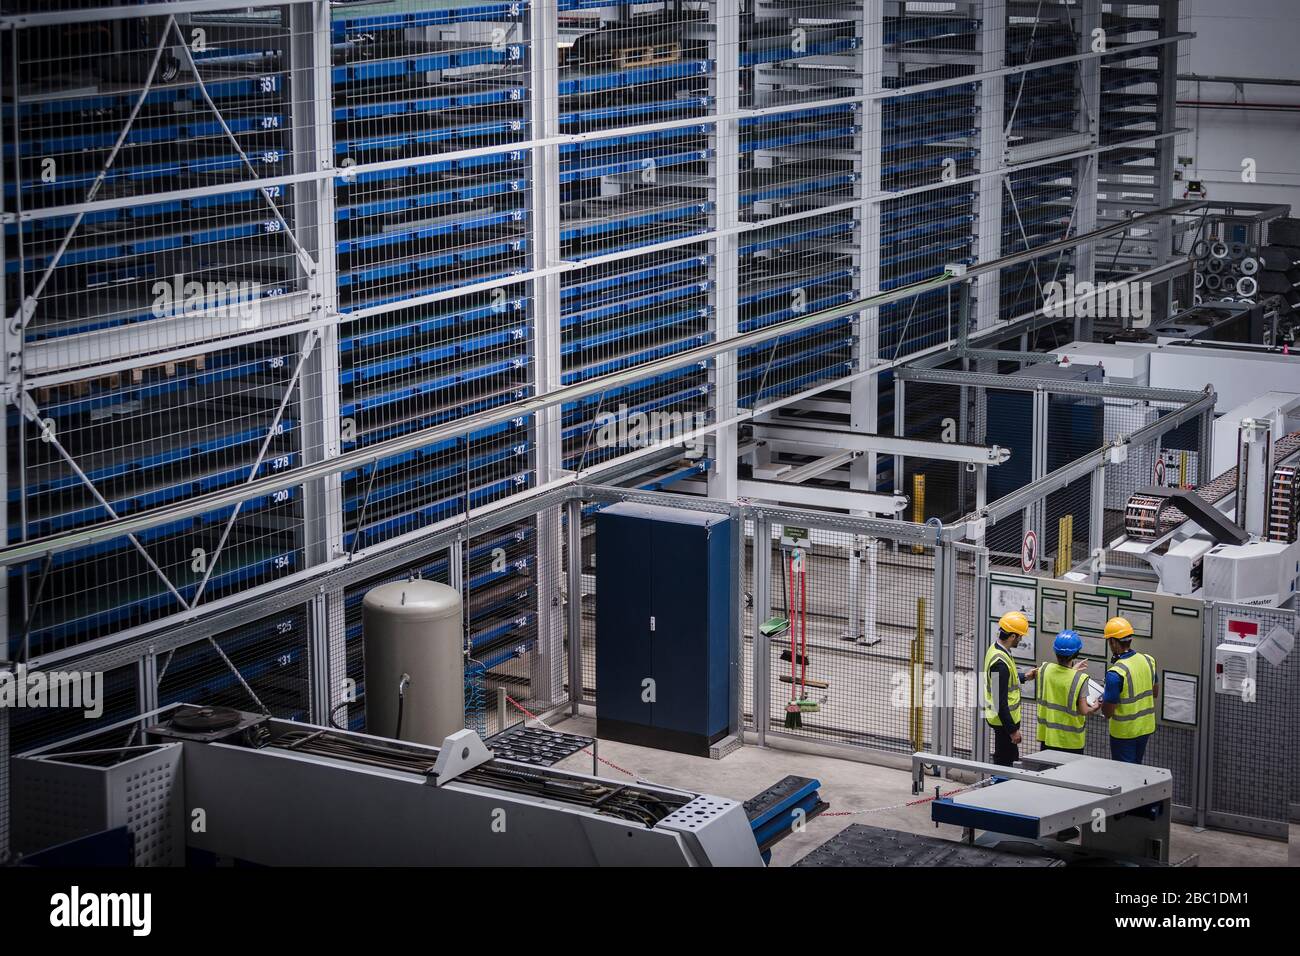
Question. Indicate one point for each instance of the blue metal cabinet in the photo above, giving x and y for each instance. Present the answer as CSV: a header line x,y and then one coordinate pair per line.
x,y
664,614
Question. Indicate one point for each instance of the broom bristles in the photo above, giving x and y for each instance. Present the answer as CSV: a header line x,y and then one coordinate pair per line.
x,y
793,718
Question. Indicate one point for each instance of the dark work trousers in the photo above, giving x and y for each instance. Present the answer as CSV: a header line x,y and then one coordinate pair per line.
x,y
1005,751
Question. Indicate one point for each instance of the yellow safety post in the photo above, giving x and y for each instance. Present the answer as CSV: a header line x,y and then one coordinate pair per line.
x,y
918,506
1064,544
1182,471
916,716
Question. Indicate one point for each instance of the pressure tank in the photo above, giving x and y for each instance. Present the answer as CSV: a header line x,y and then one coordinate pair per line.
x,y
414,651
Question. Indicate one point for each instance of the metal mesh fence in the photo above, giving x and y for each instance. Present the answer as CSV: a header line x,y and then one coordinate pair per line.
x,y
1253,734
515,624
587,641
4,785
869,640
263,667
1044,430
50,719
749,621
969,640
128,442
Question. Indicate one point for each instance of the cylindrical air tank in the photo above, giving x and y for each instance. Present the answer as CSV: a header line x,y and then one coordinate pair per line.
x,y
414,650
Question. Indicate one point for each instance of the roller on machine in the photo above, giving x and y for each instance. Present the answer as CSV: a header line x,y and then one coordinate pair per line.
x,y
1147,517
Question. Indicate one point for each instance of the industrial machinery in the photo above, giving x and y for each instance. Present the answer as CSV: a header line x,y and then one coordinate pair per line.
x,y
1026,816
1231,535
1034,810
269,789
1236,537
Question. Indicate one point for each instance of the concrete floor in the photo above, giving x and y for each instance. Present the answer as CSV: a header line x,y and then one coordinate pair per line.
x,y
848,785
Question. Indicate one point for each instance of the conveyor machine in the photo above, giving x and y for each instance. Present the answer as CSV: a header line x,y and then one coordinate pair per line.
x,y
227,785
1120,810
1236,537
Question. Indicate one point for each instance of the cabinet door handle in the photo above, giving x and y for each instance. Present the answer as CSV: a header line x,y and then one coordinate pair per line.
x,y
652,623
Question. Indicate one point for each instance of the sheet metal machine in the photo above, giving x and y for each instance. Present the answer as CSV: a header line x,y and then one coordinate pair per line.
x,y
1235,538
1121,810
215,784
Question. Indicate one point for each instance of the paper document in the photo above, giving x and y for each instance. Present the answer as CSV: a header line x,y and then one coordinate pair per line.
x,y
1275,647
1178,696
1095,691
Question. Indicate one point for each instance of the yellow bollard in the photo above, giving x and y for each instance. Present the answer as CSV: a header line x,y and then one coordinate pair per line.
x,y
918,506
1064,545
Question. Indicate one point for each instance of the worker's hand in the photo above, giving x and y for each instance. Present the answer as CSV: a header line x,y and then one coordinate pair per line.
x,y
1015,737
1080,665
1031,673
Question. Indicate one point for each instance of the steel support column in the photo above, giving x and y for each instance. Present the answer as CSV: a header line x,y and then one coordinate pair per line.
x,y
1087,120
864,393
992,143
761,657
313,138
722,476
546,663
573,585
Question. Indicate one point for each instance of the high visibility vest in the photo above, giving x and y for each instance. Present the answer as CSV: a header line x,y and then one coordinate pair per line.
x,y
1059,722
1135,715
996,653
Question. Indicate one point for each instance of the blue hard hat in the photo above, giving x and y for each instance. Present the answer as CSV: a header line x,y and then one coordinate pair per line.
x,y
1067,644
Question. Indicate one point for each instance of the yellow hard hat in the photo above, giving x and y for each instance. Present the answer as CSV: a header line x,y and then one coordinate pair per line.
x,y
1015,622
1119,629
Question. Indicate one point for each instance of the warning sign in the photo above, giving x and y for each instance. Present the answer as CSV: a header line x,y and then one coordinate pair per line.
x,y
1238,630
1029,552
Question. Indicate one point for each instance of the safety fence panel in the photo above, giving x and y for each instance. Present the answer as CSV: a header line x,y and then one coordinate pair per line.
x,y
4,785
1253,734
515,621
586,644
852,667
88,701
263,667
969,639
749,622
1045,429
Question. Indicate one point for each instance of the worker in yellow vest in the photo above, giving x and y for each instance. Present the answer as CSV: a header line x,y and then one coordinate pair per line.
x,y
1002,680
1132,689
1063,706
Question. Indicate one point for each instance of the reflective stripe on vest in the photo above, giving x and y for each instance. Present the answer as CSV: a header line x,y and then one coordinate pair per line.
x,y
1135,714
1059,722
996,653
